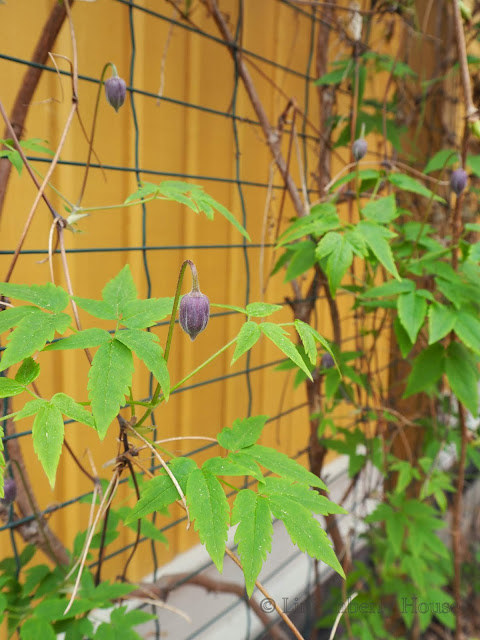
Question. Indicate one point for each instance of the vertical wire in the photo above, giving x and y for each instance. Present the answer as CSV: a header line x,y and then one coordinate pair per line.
x,y
145,263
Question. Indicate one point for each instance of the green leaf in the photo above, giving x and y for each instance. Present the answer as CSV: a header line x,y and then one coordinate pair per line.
x,y
330,242
412,310
302,259
282,465
441,160
322,218
338,263
47,434
441,320
332,77
9,388
278,337
48,296
28,372
261,309
160,491
148,528
35,627
462,376
390,288
145,346
145,189
31,335
81,340
253,535
473,162
383,210
140,314
427,369
403,340
243,433
109,378
407,183
97,308
30,408
375,237
235,464
304,530
120,290
209,509
363,174
12,316
72,409
308,339
467,328
301,493
247,337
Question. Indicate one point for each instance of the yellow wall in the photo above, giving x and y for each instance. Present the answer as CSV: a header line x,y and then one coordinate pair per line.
x,y
172,139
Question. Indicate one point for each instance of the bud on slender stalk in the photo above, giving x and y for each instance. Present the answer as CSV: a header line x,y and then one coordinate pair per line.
x,y
458,181
115,91
327,362
10,491
359,149
194,307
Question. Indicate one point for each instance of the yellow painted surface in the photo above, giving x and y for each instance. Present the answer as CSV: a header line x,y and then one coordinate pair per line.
x,y
175,139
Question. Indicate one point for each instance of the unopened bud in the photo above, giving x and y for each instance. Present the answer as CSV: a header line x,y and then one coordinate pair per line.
x,y
9,491
327,362
194,313
115,91
359,148
458,180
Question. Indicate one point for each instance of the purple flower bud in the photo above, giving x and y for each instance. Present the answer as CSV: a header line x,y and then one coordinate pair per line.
x,y
359,149
194,313
327,362
458,180
115,90
10,491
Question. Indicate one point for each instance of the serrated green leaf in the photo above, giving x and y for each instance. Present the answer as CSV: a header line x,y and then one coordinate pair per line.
x,y
148,529
28,372
36,627
403,340
120,290
301,260
72,409
145,190
30,408
330,242
407,183
262,309
140,314
322,218
11,317
247,337
363,174
308,340
427,369
301,493
441,320
31,335
209,509
283,466
48,296
253,535
338,263
383,210
9,388
235,464
412,310
441,160
390,288
375,237
109,378
47,434
462,376
145,346
81,340
467,328
243,433
332,77
97,308
278,337
304,530
160,491
356,242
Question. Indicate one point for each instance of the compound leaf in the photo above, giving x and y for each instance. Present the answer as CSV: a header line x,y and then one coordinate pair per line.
x,y
48,296
47,434
97,308
247,337
243,433
277,335
81,340
72,409
120,290
282,465
376,239
140,314
427,369
301,493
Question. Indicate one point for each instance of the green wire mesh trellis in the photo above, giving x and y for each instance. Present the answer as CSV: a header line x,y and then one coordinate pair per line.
x,y
146,248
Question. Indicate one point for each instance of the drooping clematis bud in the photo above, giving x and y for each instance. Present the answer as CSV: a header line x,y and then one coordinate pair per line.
x,y
458,180
194,313
327,362
115,91
359,148
10,491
